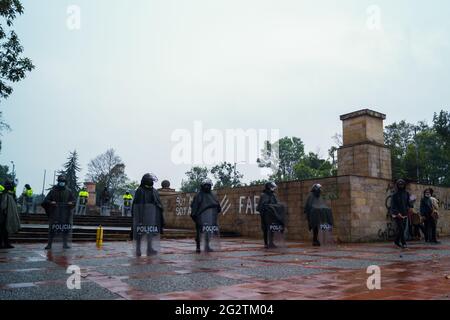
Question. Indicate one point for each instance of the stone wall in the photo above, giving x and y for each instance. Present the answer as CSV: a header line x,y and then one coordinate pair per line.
x,y
368,207
240,215
358,204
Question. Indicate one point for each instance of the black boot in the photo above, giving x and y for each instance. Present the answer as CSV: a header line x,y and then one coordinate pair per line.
x,y
316,242
6,243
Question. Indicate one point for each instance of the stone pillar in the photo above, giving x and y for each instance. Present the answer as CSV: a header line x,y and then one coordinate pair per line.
x,y
165,193
363,152
90,187
165,189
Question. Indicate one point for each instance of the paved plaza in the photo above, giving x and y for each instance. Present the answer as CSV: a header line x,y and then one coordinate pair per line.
x,y
242,270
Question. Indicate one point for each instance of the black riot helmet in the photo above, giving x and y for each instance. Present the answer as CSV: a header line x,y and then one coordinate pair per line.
x,y
206,185
316,189
401,184
270,186
27,186
62,180
148,180
9,185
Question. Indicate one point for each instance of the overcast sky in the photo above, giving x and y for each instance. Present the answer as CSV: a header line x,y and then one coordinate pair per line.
x,y
137,70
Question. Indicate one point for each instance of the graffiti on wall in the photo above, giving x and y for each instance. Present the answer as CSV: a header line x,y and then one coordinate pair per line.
x,y
248,204
183,205
225,204
331,193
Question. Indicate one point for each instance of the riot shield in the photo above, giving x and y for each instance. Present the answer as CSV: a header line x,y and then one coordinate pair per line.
x,y
325,224
126,208
276,220
80,208
147,224
60,226
209,229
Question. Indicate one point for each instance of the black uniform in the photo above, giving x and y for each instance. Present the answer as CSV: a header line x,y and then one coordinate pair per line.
x,y
317,213
400,205
146,194
426,211
59,213
203,201
266,199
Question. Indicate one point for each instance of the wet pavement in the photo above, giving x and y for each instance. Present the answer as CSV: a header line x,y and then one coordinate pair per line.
x,y
241,270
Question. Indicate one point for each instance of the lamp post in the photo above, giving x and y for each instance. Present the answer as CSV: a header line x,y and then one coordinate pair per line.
x,y
417,154
13,170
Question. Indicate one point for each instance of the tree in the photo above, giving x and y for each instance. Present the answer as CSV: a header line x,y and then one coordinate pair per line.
x,y
419,152
71,169
3,127
107,170
129,186
257,182
282,156
226,176
13,66
194,179
398,136
441,123
311,166
5,174
333,151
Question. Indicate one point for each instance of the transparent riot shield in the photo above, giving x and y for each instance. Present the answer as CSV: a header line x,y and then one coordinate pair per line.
x,y
325,236
60,226
209,229
147,224
276,221
80,208
126,208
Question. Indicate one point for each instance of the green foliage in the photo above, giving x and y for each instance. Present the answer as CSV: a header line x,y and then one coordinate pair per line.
x,y
194,179
288,161
442,125
226,176
5,174
13,67
282,156
419,152
71,169
257,182
311,166
129,186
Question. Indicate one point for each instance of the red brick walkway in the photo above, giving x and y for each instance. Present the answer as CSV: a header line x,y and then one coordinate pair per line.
x,y
242,270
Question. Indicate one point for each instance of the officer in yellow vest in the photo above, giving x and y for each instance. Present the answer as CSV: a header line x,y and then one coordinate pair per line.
x,y
27,196
83,197
127,200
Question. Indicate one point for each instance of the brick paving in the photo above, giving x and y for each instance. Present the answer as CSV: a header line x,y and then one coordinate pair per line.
x,y
241,270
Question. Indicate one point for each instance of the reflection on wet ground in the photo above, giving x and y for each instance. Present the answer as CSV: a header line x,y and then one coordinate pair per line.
x,y
242,269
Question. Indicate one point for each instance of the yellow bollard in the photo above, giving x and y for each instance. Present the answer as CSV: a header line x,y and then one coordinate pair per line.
x,y
99,238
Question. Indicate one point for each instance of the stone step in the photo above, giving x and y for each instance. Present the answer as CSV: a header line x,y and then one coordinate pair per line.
x,y
39,233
